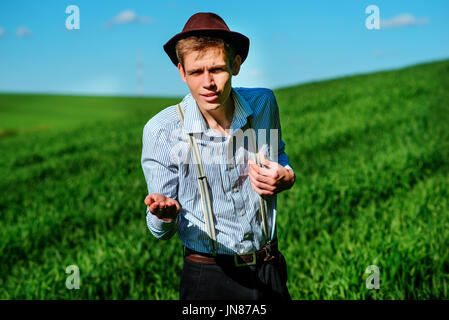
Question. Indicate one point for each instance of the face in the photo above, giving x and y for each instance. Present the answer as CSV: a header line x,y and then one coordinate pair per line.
x,y
208,77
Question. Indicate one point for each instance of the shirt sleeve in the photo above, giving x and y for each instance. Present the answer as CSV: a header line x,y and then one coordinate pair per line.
x,y
161,176
282,156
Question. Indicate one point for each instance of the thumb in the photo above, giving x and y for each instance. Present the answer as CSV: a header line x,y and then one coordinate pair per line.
x,y
148,200
264,160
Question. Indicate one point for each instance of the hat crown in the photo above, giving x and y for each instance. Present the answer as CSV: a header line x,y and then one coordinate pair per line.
x,y
205,20
211,24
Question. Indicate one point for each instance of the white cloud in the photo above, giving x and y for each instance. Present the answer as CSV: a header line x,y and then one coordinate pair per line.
x,y
2,32
402,20
23,31
128,16
125,17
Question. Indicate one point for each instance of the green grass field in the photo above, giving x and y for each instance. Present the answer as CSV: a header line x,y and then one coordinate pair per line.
x,y
371,156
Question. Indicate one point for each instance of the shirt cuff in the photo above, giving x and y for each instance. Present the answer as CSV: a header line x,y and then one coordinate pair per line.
x,y
161,224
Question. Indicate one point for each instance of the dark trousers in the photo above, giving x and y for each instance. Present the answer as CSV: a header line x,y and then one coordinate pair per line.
x,y
265,281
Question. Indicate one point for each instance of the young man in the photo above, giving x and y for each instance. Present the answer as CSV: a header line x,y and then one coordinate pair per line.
x,y
224,211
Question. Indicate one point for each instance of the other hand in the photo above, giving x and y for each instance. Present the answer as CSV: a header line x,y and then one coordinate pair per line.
x,y
162,207
272,179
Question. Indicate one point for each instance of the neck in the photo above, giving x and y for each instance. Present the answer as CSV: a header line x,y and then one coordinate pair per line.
x,y
220,119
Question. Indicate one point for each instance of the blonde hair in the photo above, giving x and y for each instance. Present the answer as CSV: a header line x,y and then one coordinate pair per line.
x,y
198,43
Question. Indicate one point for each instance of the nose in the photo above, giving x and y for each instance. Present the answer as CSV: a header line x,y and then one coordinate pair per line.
x,y
208,80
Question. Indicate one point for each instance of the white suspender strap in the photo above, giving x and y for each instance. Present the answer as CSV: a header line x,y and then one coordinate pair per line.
x,y
263,202
202,184
204,190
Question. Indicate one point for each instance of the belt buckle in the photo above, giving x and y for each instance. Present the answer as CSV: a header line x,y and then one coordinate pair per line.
x,y
252,263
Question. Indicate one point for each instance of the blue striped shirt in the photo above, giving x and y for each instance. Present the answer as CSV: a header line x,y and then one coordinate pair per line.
x,y
169,170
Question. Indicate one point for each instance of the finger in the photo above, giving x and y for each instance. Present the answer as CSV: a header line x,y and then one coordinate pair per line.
x,y
158,197
169,212
271,169
265,186
260,191
251,177
174,203
260,179
170,204
252,172
255,188
178,207
269,180
154,208
159,212
255,173
263,160
148,200
251,161
254,166
269,172
165,209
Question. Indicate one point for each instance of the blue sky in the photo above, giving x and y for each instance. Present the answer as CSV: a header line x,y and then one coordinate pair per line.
x,y
292,42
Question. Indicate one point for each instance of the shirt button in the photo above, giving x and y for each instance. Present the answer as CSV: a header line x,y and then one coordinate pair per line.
x,y
236,190
231,166
241,213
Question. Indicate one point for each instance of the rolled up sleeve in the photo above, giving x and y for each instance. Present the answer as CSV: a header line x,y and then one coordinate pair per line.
x,y
161,176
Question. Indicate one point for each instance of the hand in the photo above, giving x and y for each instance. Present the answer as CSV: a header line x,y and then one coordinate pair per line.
x,y
272,179
162,207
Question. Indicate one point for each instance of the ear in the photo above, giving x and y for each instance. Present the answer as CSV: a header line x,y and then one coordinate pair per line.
x,y
181,72
236,65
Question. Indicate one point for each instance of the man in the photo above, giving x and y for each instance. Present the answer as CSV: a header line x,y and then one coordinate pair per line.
x,y
225,211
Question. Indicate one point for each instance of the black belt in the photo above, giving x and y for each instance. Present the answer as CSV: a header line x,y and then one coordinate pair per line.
x,y
268,252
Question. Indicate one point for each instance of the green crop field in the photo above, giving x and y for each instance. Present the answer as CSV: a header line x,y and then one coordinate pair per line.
x,y
371,156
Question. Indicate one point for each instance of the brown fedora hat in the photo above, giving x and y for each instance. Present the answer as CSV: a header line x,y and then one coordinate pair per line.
x,y
208,23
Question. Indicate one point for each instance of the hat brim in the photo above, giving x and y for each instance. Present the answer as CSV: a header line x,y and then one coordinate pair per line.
x,y
238,40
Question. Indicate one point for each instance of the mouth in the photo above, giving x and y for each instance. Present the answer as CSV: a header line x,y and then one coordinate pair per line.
x,y
210,96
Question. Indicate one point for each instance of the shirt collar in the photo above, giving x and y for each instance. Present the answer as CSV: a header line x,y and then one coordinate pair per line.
x,y
194,121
